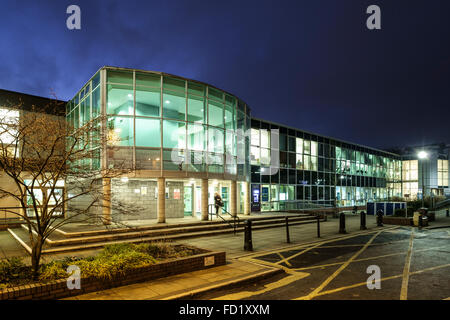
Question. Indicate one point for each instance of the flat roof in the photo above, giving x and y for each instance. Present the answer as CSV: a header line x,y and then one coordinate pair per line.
x,y
326,137
13,98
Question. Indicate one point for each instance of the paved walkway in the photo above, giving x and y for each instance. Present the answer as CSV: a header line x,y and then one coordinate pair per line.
x,y
183,285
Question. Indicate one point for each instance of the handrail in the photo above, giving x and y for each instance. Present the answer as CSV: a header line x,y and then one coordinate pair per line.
x,y
9,219
223,210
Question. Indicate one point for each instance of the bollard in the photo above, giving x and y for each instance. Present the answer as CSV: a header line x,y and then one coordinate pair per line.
x,y
363,221
248,244
287,231
420,222
447,212
342,223
380,218
318,226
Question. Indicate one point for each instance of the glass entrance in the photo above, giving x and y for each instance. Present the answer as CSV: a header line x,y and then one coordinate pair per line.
x,y
225,199
198,199
188,204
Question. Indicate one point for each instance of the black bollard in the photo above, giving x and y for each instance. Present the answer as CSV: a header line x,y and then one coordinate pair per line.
x,y
380,218
287,231
420,222
318,226
363,221
342,223
447,213
248,244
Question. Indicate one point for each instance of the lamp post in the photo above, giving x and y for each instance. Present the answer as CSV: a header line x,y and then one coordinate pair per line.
x,y
422,155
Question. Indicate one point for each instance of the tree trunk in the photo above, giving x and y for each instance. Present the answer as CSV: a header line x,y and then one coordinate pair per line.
x,y
36,253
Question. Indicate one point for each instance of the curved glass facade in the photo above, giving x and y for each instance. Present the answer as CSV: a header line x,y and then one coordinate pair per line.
x,y
163,122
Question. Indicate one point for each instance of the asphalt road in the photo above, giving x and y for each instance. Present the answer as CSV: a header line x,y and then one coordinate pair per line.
x,y
412,264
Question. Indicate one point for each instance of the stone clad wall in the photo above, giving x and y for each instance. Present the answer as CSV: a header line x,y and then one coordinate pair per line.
x,y
133,200
175,207
137,199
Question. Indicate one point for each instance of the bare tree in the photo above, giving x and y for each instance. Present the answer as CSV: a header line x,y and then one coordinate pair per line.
x,y
55,169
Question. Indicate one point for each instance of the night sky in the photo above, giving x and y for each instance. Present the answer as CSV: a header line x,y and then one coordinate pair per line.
x,y
310,64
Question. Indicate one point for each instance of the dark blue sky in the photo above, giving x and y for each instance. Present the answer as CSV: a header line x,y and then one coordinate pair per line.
x,y
309,64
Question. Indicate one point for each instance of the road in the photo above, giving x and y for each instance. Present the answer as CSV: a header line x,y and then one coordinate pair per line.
x,y
413,264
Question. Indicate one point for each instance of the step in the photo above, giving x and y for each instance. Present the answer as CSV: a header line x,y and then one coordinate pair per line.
x,y
173,237
163,232
21,236
162,226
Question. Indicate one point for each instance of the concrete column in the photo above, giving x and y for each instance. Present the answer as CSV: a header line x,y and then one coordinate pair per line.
x,y
233,198
106,202
161,212
247,198
204,199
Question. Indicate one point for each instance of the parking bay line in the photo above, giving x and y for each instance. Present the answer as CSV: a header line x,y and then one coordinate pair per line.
x,y
338,271
384,279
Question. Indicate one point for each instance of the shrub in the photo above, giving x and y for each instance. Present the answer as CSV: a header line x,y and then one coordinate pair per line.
x,y
54,270
114,259
11,268
116,248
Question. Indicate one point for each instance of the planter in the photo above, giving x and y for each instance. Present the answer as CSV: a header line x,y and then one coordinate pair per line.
x,y
398,221
58,289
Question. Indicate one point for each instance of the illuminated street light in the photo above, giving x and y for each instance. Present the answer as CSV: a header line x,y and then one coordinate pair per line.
x,y
423,155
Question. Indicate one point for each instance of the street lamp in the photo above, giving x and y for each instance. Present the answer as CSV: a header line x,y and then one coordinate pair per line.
x,y
423,155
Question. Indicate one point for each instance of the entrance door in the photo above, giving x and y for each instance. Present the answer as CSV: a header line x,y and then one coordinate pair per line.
x,y
225,198
188,205
198,201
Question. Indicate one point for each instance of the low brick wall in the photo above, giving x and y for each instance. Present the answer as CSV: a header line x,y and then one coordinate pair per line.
x,y
58,289
397,220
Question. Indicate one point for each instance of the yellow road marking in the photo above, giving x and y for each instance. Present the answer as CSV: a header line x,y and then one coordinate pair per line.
x,y
306,245
364,259
317,245
298,253
282,257
338,271
383,279
404,290
271,286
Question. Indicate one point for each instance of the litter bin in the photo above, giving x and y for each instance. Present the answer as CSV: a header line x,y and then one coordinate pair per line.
x,y
416,219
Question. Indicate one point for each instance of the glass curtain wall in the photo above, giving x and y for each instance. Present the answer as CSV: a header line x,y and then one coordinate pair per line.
x,y
315,170
164,122
82,109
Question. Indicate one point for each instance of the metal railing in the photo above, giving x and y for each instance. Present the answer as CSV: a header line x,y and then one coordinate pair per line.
x,y
5,211
236,220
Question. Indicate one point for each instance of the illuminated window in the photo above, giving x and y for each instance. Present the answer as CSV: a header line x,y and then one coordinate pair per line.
x,y
443,173
9,119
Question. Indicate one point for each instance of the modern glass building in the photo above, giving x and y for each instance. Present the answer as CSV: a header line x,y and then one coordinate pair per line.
x,y
315,171
184,140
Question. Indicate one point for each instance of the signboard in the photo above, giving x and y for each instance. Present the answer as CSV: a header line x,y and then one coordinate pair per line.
x,y
255,198
176,194
209,261
265,194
